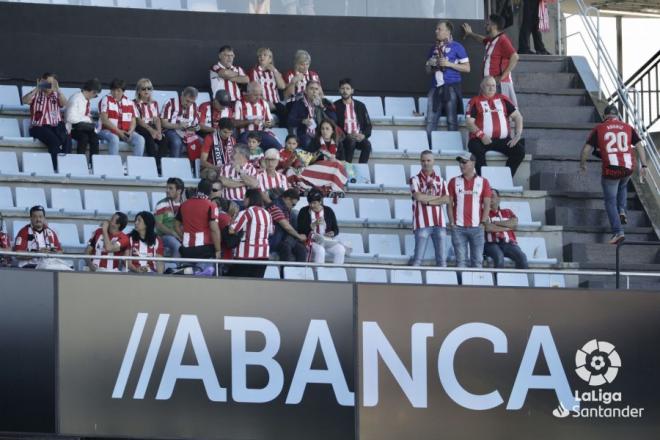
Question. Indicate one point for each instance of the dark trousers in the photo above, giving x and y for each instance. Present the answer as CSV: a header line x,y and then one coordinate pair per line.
x,y
86,137
56,139
154,148
282,114
247,270
290,249
530,25
514,155
497,251
349,146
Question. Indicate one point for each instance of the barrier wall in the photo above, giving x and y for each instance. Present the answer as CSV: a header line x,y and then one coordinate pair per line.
x,y
167,357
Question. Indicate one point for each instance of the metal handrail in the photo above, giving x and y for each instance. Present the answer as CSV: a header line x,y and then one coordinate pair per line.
x,y
629,243
311,264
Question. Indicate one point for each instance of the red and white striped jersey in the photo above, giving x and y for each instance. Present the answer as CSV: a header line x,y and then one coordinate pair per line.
x,y
350,119
491,115
320,227
425,216
195,214
468,199
147,111
267,182
257,224
98,246
29,240
300,86
615,140
141,249
209,116
175,114
267,80
248,111
120,113
497,56
501,215
45,109
217,83
219,150
229,172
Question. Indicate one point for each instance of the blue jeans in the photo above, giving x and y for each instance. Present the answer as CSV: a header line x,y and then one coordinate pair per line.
x,y
461,238
175,142
497,251
136,141
438,235
615,192
449,107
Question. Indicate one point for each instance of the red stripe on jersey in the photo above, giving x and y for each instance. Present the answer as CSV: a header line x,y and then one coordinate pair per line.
x,y
425,216
497,56
615,140
120,113
217,83
248,111
267,182
219,150
195,215
229,172
209,116
468,196
45,109
492,115
147,111
98,245
318,219
300,86
268,83
501,215
350,119
257,224
276,214
175,114
141,249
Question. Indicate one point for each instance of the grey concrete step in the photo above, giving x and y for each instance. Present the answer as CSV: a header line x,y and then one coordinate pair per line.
x,y
565,182
545,81
563,215
577,135
564,148
567,165
529,100
604,255
541,64
578,235
591,200
557,114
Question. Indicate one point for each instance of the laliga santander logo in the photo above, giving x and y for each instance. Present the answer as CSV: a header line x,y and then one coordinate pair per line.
x,y
597,363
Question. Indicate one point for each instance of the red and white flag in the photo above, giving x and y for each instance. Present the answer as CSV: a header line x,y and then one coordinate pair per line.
x,y
329,173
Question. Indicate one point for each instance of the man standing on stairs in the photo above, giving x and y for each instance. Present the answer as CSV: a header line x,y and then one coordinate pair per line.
x,y
612,141
500,58
530,25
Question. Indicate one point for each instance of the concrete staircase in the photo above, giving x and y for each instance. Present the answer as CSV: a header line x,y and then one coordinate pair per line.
x,y
559,114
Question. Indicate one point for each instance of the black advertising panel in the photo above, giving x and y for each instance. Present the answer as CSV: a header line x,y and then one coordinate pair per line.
x,y
205,358
467,363
27,351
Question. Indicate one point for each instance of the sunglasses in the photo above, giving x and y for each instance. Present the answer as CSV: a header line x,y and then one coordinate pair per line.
x,y
146,89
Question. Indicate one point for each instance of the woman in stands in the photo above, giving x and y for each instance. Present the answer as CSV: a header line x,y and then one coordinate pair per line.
x,y
46,102
271,81
148,121
143,242
327,142
297,78
319,224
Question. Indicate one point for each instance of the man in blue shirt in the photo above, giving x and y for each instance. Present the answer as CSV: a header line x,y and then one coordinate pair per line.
x,y
446,60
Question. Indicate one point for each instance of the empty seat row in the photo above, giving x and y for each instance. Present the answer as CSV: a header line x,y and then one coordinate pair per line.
x,y
415,141
103,166
411,276
69,201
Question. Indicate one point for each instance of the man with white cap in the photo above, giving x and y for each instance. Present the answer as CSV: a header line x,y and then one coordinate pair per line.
x,y
269,178
468,214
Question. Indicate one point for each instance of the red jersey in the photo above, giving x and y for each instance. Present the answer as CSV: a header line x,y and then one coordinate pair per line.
x,y
98,245
268,83
29,240
175,114
501,215
498,55
195,215
248,111
120,113
425,216
267,182
45,109
141,249
218,83
468,197
210,116
328,147
257,224
219,150
299,89
4,241
350,119
147,111
615,140
229,172
491,115
224,220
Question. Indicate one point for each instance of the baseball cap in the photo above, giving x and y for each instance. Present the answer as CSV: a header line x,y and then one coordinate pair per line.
x,y
272,153
466,155
223,98
611,110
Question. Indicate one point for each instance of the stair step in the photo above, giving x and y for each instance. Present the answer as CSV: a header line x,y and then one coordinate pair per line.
x,y
545,81
558,126
592,200
539,64
528,100
604,255
578,135
569,165
588,235
565,182
551,91
554,148
555,114
565,216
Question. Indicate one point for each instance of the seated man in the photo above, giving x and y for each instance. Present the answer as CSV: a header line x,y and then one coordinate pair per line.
x,y
501,236
286,241
210,113
180,121
117,117
253,114
36,237
217,150
225,76
108,240
238,176
353,117
165,213
79,118
308,112
488,119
